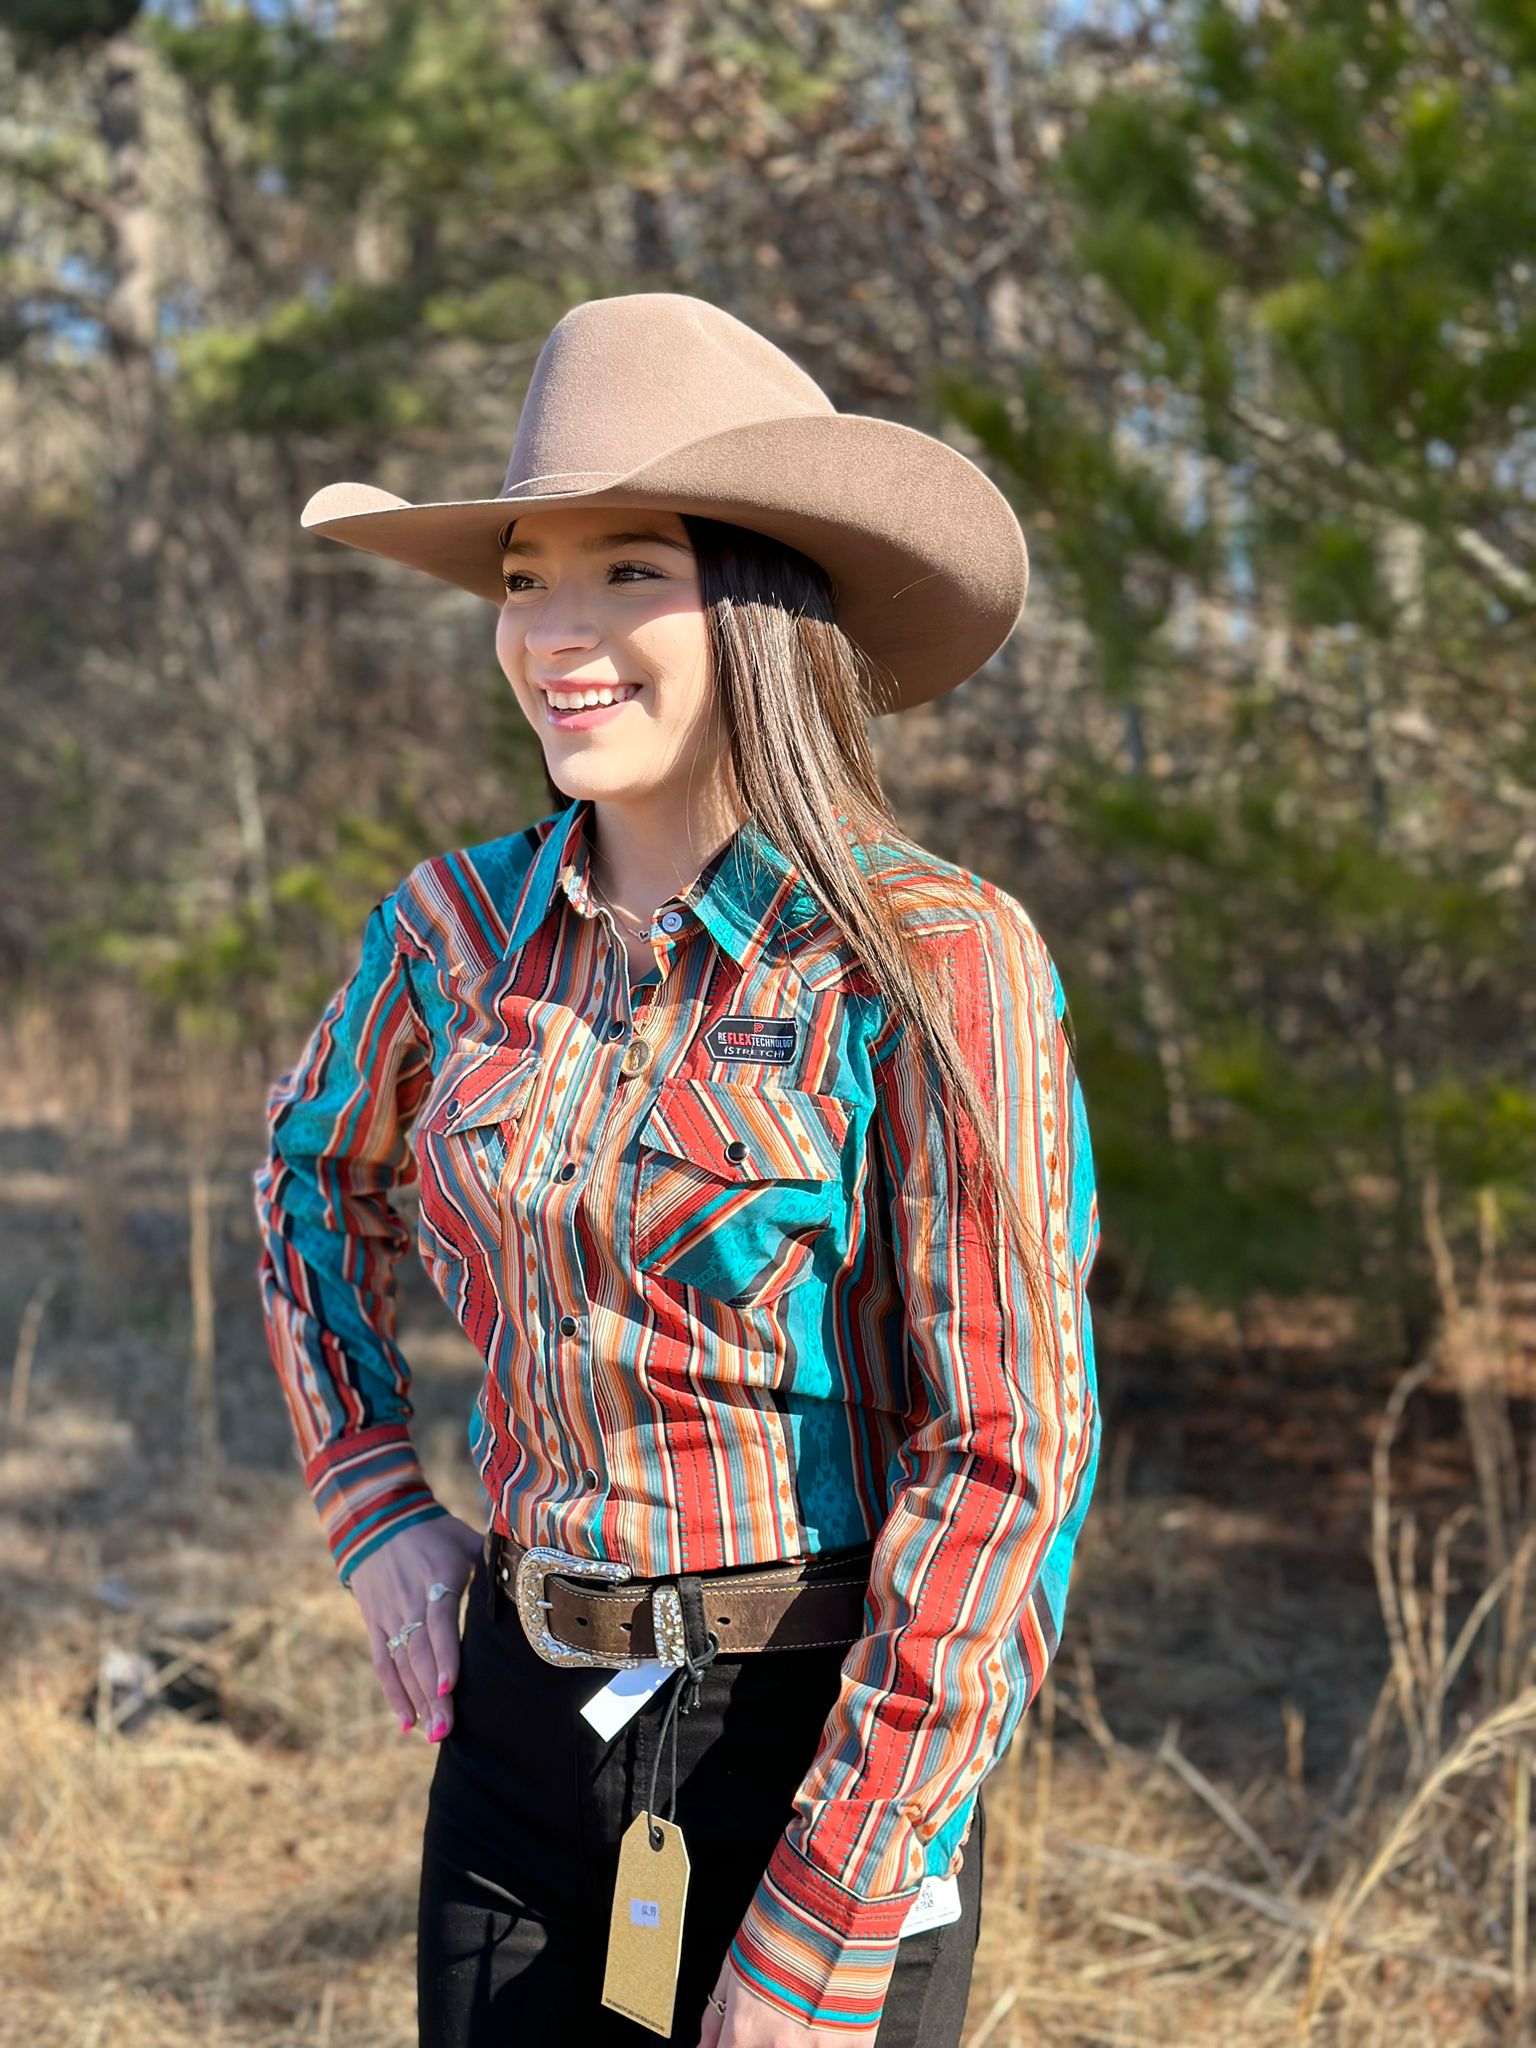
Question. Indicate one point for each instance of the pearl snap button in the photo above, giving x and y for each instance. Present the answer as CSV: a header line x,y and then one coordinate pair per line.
x,y
617,1028
567,1172
588,1476
671,920
736,1149
568,1326
451,1108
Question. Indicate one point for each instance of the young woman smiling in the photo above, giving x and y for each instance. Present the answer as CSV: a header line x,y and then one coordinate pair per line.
x,y
753,1160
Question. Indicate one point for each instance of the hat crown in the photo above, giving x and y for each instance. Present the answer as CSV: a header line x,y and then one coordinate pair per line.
x,y
623,380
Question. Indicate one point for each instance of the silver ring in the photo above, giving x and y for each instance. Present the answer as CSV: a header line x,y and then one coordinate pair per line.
x,y
398,1642
439,1591
717,2003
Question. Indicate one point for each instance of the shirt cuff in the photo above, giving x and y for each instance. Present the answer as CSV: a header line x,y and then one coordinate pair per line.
x,y
815,1949
366,1488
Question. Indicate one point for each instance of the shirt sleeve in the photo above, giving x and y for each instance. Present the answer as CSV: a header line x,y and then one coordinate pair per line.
x,y
330,1241
988,1489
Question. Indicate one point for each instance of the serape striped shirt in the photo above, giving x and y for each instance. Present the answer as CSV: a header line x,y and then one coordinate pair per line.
x,y
708,1234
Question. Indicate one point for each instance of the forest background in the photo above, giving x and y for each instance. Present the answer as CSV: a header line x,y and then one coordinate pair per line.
x,y
1236,301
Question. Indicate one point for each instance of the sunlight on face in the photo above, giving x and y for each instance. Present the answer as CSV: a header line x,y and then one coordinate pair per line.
x,y
608,596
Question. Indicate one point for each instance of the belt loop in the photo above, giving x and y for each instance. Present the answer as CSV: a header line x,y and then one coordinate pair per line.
x,y
700,1643
691,1600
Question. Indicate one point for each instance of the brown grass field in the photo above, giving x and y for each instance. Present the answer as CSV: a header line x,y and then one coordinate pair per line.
x,y
1276,1792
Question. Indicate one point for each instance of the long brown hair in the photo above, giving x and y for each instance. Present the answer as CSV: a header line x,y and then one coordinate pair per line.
x,y
794,693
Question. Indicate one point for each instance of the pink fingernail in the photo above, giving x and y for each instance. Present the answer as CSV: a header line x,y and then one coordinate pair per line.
x,y
406,1724
443,1685
436,1730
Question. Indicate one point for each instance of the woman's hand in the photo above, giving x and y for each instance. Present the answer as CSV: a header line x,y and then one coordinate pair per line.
x,y
751,2022
391,1588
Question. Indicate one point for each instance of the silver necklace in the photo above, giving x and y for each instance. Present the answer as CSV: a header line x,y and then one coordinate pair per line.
x,y
638,932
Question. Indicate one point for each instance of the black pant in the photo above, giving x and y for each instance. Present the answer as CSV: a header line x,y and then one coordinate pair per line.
x,y
526,1810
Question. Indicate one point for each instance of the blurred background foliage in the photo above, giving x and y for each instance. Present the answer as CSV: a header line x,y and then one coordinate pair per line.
x,y
1235,301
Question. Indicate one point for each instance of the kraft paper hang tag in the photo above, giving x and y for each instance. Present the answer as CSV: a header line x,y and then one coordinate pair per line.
x,y
645,1931
624,1695
936,1904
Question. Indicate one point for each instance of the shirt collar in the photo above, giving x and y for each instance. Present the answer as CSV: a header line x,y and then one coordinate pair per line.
x,y
740,898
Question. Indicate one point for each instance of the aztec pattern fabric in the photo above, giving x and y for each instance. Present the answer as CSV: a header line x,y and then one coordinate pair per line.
x,y
714,1238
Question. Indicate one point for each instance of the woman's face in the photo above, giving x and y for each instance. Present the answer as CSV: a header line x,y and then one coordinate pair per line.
x,y
605,599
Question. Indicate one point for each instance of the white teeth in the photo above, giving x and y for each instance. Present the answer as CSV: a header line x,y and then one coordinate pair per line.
x,y
584,700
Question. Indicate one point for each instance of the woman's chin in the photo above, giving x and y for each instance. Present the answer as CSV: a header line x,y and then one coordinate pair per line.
x,y
575,768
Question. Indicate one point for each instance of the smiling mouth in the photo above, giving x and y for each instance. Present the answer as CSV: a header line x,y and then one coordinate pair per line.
x,y
617,693
588,717
584,697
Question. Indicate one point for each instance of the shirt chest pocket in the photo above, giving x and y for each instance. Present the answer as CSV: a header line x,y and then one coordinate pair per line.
x,y
736,1187
468,1139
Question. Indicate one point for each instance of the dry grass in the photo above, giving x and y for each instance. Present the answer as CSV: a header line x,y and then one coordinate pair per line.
x,y
1152,1912
252,1880
229,1882
1277,1790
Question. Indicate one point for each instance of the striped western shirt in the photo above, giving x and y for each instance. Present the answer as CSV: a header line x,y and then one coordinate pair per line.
x,y
711,1237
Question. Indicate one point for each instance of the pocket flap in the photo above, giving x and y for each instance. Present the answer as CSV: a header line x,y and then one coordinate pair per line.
x,y
745,1134
491,1090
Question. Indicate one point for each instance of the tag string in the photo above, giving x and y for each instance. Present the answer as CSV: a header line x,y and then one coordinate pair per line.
x,y
690,1680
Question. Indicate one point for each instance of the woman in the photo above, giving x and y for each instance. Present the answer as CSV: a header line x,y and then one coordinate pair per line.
x,y
753,1159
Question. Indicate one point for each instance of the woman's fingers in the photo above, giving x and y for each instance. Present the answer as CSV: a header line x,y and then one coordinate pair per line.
x,y
443,1625
422,1651
393,1589
417,1681
443,1628
436,1654
389,1678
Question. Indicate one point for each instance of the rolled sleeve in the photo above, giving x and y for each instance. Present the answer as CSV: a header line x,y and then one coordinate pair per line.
x,y
988,1489
338,1125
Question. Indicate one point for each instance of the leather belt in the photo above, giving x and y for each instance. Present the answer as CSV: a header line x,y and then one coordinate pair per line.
x,y
806,1604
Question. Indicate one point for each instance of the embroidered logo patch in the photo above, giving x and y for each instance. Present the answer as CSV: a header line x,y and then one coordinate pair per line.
x,y
768,1040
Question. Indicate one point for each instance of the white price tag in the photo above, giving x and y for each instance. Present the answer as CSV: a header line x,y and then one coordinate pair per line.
x,y
937,1903
624,1695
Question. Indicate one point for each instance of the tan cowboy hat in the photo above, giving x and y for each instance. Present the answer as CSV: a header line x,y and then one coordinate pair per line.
x,y
660,400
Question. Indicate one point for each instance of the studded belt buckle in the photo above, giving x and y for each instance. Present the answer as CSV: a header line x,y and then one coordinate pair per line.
x,y
533,1605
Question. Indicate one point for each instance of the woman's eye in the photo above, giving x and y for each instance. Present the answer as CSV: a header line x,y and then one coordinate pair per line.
x,y
511,578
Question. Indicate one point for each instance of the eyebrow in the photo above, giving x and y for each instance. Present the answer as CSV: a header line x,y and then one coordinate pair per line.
x,y
600,541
